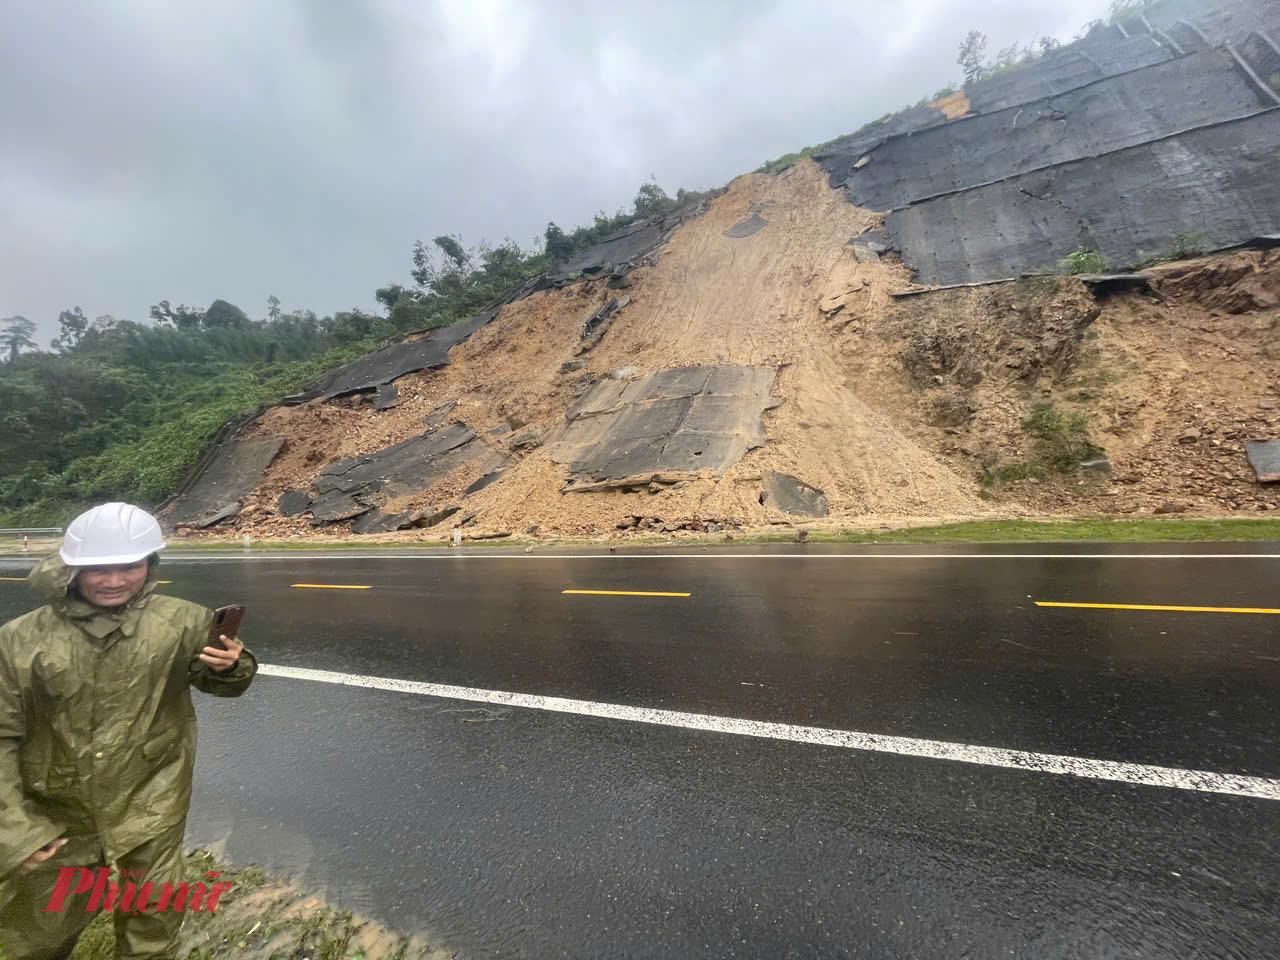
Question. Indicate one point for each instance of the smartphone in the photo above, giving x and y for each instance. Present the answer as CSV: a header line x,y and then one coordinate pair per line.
x,y
226,622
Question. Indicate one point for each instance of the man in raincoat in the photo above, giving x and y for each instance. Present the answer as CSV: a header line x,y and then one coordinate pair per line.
x,y
98,733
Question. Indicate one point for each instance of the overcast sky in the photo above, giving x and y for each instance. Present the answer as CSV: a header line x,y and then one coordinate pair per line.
x,y
190,150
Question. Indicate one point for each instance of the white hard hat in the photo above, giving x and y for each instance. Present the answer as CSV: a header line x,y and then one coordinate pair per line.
x,y
111,533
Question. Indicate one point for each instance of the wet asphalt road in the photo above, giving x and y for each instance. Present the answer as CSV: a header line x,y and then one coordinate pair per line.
x,y
507,832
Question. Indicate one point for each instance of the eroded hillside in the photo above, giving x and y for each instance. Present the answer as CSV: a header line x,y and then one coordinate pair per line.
x,y
891,407
1102,220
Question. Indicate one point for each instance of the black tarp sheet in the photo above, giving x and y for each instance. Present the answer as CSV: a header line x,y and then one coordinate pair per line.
x,y
1110,114
686,419
1218,21
1220,183
1073,67
232,473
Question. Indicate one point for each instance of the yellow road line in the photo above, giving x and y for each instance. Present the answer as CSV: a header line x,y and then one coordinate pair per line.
x,y
1143,606
624,593
329,586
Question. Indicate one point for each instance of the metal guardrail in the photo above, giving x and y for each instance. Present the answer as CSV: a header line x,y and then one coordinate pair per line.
x,y
19,531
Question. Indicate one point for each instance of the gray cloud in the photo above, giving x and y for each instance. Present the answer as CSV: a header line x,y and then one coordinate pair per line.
x,y
199,150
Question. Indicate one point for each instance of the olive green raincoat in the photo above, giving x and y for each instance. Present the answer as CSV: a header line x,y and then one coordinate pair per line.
x,y
97,728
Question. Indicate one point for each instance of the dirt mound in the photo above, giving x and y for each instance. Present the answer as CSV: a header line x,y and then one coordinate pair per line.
x,y
1170,383
705,299
891,408
1235,283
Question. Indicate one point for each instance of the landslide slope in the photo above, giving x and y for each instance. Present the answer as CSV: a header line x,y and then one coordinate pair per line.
x,y
706,298
770,356
894,408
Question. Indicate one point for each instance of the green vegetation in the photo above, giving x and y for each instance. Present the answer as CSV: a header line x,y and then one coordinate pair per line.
x,y
789,160
978,68
16,337
1076,263
970,58
1083,262
1152,530
1182,246
123,409
1139,530
1062,439
119,409
1061,442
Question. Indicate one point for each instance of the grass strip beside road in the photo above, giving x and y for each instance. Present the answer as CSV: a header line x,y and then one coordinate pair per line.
x,y
1069,530
1099,529
1102,530
262,918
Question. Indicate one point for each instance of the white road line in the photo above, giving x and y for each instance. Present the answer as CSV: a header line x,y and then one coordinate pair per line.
x,y
1142,774
738,556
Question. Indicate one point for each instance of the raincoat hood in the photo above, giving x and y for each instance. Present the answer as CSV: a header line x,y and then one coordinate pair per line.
x,y
52,580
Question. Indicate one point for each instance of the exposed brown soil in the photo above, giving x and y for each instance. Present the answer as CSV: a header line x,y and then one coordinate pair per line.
x,y
954,106
1201,354
893,407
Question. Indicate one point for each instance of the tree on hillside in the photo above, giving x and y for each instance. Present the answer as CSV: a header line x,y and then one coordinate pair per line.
x,y
409,313
452,248
405,308
557,246
73,325
972,49
15,336
181,318
224,314
1009,57
388,295
273,308
651,200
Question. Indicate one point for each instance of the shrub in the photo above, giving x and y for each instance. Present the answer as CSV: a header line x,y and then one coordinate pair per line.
x,y
1084,261
1062,439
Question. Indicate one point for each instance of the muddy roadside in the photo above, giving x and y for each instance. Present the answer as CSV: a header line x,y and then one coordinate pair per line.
x,y
267,918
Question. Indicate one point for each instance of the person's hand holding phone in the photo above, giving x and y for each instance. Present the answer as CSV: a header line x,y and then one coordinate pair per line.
x,y
222,659
223,651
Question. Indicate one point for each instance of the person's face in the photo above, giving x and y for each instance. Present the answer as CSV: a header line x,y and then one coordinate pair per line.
x,y
114,585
